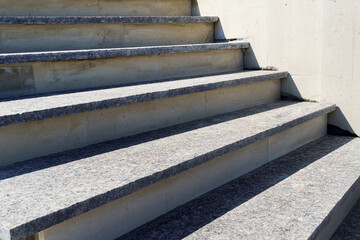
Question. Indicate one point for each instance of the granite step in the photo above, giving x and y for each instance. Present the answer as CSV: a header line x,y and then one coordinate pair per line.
x,y
41,20
87,54
56,188
66,121
43,107
350,227
299,196
59,33
40,72
96,7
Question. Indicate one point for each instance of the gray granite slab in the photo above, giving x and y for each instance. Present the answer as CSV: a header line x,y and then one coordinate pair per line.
x,y
38,108
103,19
7,58
350,228
74,182
289,198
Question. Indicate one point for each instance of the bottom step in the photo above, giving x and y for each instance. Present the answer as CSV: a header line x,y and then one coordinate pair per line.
x,y
350,228
303,195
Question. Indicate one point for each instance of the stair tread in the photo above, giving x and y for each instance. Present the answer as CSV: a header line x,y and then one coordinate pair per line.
x,y
292,197
52,189
103,19
49,56
38,108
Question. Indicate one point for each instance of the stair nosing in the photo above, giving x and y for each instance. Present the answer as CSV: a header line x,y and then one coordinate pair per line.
x,y
53,56
41,20
306,111
120,96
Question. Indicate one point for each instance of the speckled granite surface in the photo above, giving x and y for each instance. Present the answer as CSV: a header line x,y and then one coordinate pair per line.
x,y
285,199
102,19
24,110
52,189
7,58
350,228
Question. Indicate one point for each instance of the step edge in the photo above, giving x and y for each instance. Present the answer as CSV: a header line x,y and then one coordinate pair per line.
x,y
337,207
137,98
53,20
117,193
53,56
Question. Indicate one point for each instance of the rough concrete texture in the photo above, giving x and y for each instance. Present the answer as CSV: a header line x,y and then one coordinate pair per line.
x,y
45,77
292,197
65,183
102,32
96,7
284,33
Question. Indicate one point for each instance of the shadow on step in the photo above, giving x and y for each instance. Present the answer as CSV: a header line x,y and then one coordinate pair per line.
x,y
190,217
350,228
40,163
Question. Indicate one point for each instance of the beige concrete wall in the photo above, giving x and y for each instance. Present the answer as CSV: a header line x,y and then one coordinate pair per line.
x,y
341,62
317,41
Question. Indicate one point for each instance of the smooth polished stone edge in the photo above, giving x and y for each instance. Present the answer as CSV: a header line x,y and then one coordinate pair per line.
x,y
9,58
30,20
75,210
132,99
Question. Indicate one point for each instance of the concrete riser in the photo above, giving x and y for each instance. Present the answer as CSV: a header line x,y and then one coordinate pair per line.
x,y
57,37
119,217
331,224
96,7
45,77
38,138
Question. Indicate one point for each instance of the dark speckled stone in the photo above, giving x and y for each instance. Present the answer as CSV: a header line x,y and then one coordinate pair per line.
x,y
101,19
38,108
289,198
115,169
350,228
7,58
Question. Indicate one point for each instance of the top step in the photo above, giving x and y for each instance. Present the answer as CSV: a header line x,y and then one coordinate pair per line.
x,y
96,7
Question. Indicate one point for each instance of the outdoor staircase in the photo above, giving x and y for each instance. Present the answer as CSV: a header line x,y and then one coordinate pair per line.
x,y
109,120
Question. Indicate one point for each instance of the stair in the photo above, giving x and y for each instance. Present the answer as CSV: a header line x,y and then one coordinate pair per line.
x,y
143,161
113,113
46,72
34,34
298,196
55,123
